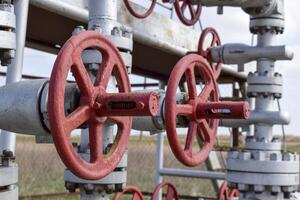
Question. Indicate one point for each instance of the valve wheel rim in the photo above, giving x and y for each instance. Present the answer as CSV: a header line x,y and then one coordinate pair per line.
x,y
216,41
194,14
61,125
206,131
223,193
137,194
234,193
140,15
171,191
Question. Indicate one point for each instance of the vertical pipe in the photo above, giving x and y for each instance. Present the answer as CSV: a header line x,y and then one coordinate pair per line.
x,y
265,103
159,161
14,71
102,17
235,131
103,14
159,153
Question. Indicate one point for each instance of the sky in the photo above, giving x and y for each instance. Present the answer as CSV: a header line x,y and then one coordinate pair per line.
x,y
233,27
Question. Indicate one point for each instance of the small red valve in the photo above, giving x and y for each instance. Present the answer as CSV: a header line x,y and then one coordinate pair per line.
x,y
193,14
203,109
226,194
216,41
140,15
96,105
136,193
171,191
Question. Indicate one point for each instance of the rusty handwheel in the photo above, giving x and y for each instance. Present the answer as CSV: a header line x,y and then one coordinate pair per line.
x,y
69,59
140,15
171,191
216,41
194,11
136,193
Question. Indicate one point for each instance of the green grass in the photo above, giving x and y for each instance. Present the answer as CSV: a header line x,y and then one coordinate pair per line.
x,y
41,171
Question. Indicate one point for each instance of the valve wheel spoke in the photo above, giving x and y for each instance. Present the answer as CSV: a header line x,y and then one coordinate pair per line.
x,y
76,118
207,91
205,132
192,11
191,82
104,73
192,129
82,78
95,138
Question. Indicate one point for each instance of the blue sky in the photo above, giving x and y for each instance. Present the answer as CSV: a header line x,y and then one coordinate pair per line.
x,y
233,27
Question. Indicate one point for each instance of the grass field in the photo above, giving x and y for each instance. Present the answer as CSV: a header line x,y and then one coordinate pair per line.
x,y
41,171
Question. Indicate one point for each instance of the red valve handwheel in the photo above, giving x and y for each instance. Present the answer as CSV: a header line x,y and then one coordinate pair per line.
x,y
136,193
69,59
171,191
140,15
181,6
216,41
225,194
204,128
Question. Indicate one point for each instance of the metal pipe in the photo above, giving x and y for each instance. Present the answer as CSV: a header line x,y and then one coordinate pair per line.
x,y
62,8
233,3
82,15
192,173
259,117
264,131
159,153
159,160
14,71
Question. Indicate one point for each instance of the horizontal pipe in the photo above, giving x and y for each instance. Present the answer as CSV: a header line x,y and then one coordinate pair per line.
x,y
259,117
64,9
80,14
192,173
232,3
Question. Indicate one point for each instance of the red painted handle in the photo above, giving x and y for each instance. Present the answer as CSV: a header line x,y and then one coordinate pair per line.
x,y
223,110
128,104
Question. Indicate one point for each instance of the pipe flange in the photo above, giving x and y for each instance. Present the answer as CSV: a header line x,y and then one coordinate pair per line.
x,y
254,144
261,11
7,33
263,162
122,38
261,171
267,79
268,19
114,182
